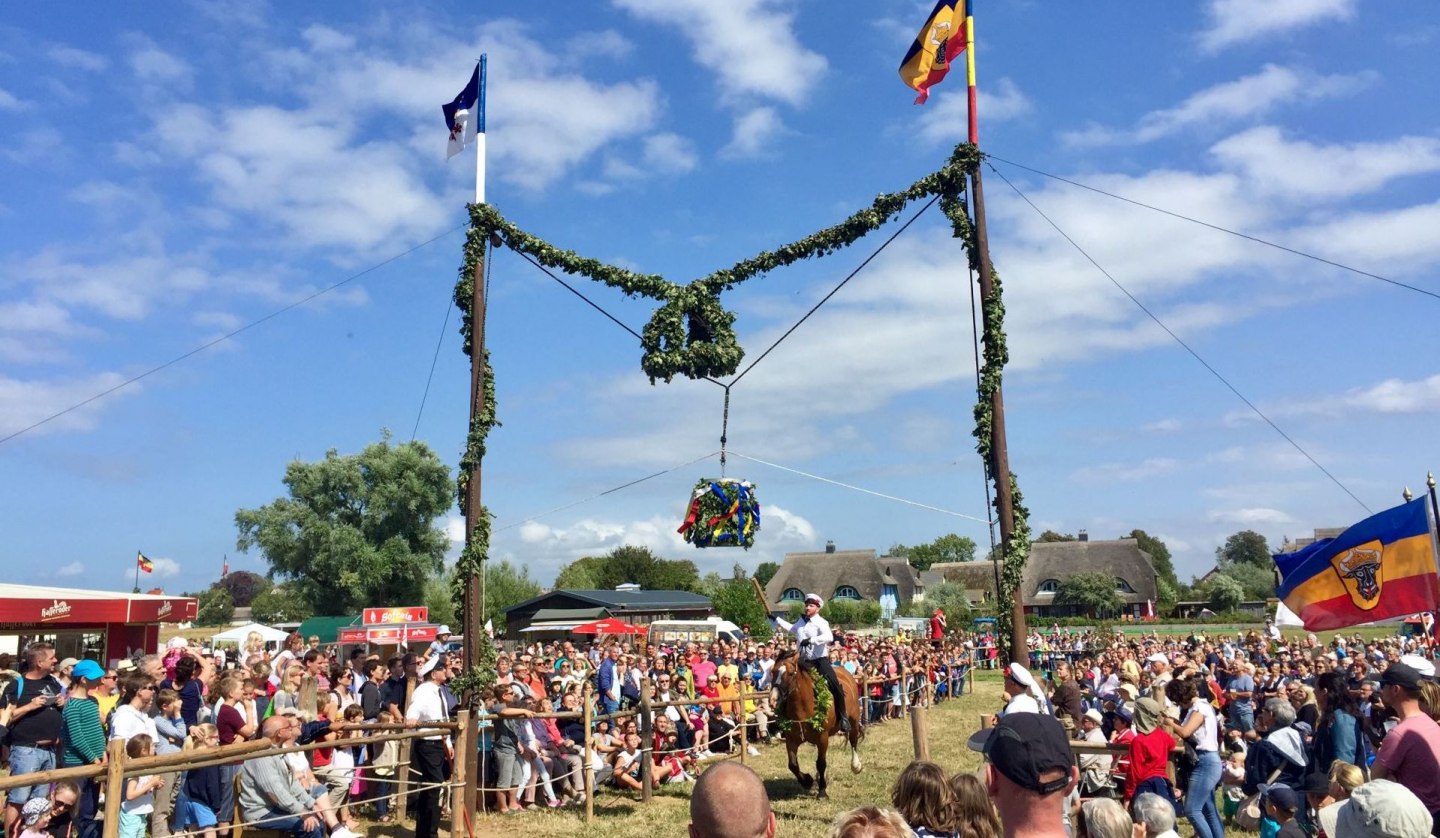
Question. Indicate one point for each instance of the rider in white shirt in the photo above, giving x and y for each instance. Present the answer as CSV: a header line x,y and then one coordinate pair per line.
x,y
813,635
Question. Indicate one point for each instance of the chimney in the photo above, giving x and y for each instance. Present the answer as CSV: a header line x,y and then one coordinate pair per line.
x,y
1084,536
830,547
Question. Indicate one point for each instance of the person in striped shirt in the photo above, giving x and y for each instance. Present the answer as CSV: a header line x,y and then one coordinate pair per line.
x,y
84,736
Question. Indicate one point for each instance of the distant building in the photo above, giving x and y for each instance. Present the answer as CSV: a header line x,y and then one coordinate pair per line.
x,y
855,575
561,610
1051,563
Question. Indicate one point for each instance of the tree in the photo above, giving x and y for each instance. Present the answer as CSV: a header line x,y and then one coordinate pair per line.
x,y
950,598
215,608
1225,594
1244,547
766,571
279,604
1050,535
243,586
946,548
1093,593
438,599
505,586
580,575
355,530
1257,582
735,601
1160,555
710,584
637,565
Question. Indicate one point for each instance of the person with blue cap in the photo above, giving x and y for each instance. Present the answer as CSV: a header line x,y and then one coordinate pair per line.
x,y
84,737
812,634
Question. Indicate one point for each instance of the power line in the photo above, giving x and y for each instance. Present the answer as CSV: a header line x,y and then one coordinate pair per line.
x,y
1206,364
247,327
1256,239
440,341
609,491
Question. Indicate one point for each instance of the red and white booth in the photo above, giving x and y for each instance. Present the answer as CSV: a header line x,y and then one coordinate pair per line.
x,y
101,625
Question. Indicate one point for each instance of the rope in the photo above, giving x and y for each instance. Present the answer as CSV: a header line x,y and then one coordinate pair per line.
x,y
610,491
724,429
1196,355
440,341
1256,239
227,336
859,489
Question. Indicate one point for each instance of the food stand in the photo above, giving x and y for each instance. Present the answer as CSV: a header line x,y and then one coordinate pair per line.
x,y
104,626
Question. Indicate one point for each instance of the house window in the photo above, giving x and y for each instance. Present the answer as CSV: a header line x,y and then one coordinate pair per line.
x,y
792,595
1049,586
846,592
1123,587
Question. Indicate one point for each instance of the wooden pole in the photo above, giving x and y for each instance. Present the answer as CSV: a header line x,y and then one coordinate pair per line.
x,y
459,813
588,711
647,740
741,723
115,787
919,735
473,607
999,451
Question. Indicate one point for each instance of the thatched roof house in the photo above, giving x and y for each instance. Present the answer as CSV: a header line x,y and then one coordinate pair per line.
x,y
1050,563
844,574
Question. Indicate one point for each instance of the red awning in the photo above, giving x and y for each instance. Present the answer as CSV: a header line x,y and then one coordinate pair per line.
x,y
34,604
609,625
388,635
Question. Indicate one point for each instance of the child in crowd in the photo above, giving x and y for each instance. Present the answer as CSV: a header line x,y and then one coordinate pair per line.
x,y
975,815
203,786
383,762
1282,803
169,724
35,817
139,799
1232,777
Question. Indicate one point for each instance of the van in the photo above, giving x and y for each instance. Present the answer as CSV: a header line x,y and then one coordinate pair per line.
x,y
704,632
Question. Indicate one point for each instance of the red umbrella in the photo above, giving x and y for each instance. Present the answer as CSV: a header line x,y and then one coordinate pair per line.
x,y
609,625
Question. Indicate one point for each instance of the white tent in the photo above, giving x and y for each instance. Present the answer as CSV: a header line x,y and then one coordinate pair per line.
x,y
238,634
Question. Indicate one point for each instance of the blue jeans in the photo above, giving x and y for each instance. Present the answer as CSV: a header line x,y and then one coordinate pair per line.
x,y
1156,785
607,706
26,760
1242,718
1200,797
295,827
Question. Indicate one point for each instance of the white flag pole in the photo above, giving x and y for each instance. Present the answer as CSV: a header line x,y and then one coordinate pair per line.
x,y
480,137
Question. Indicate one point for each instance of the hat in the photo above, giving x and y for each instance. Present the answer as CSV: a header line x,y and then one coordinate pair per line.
x,y
1318,782
427,666
1158,657
1400,675
1020,675
35,809
1147,714
177,643
815,598
87,669
1023,746
1124,712
68,662
1282,796
1425,667
1129,690
125,665
1378,809
1094,715
442,630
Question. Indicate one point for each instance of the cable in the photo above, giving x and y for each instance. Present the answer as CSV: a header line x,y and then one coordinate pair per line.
x,y
1231,387
859,489
449,304
568,287
836,289
1218,228
248,326
606,492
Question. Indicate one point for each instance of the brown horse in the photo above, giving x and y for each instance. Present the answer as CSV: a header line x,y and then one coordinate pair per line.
x,y
793,696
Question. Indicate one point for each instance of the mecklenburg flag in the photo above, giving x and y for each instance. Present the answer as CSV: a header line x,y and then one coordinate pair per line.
x,y
461,119
1383,567
941,41
144,563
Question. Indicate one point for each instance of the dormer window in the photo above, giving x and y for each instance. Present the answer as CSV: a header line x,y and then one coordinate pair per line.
x,y
792,595
1049,586
846,592
1121,586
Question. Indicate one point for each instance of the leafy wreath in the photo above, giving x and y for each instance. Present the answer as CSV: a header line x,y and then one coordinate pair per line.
x,y
823,699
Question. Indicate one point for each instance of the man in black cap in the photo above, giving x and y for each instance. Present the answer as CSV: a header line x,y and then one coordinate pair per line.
x,y
1029,772
1410,753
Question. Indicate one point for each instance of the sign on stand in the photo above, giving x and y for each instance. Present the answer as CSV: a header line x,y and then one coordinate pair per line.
x,y
395,616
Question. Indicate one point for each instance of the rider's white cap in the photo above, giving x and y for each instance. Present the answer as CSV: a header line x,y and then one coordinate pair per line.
x,y
815,598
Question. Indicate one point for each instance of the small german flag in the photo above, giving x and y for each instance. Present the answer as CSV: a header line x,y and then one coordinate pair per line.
x,y
144,563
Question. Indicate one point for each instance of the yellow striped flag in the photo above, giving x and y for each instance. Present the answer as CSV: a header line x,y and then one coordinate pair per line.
x,y
941,40
144,563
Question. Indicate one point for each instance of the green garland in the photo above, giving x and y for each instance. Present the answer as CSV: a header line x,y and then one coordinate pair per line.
x,y
823,699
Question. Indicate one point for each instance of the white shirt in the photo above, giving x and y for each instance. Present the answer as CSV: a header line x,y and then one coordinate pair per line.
x,y
128,721
427,705
1022,703
814,629
1207,736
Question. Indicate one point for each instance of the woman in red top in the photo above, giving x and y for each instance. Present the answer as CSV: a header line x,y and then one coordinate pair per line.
x,y
233,726
1149,754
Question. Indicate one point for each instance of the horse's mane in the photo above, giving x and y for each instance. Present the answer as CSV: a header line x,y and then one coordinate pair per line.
x,y
785,655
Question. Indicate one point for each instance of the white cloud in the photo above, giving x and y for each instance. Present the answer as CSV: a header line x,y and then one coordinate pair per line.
x,y
72,569
1126,472
669,153
1162,426
1388,242
8,102
945,118
23,403
751,45
324,39
754,130
1392,396
1238,21
79,59
605,43
156,66
455,529
1244,98
164,569
1251,516
1304,171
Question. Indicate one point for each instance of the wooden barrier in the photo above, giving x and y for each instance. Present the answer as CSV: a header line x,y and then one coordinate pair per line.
x,y
647,741
587,754
459,806
114,786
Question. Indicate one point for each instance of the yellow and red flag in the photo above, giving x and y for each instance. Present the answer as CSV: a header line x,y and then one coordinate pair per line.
x,y
942,39
1380,568
144,563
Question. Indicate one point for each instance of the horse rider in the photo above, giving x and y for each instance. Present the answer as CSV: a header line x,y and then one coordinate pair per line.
x,y
813,635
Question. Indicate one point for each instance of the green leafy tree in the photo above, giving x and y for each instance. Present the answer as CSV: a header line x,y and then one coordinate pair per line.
x,y
215,608
506,585
1244,547
946,548
711,583
839,612
439,601
355,530
580,575
1093,593
1257,582
766,571
867,613
735,601
243,586
950,598
1164,565
1224,593
633,564
1050,535
280,604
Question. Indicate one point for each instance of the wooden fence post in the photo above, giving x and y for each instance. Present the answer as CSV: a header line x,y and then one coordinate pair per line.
x,y
114,786
460,802
647,741
741,725
918,732
587,723
402,789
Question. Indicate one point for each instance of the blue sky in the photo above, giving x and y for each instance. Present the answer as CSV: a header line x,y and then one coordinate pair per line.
x,y
172,173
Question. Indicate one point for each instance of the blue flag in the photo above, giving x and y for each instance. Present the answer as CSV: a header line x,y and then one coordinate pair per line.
x,y
464,116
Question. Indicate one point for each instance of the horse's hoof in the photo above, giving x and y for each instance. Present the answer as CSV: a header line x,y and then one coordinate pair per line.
x,y
824,795
806,781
